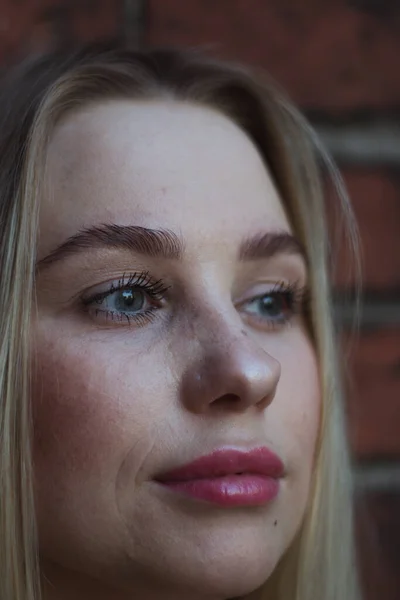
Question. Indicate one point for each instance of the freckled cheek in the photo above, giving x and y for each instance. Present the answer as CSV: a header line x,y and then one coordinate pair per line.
x,y
88,410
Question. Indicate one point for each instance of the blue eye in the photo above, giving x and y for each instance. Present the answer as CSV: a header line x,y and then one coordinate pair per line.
x,y
130,300
273,305
277,306
134,300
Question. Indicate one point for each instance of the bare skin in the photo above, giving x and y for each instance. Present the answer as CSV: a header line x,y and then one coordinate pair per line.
x,y
141,380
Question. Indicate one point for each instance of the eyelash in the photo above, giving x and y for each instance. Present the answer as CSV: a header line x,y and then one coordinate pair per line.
x,y
295,298
154,289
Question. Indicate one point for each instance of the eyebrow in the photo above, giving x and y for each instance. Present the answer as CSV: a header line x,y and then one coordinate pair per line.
x,y
269,244
142,240
163,243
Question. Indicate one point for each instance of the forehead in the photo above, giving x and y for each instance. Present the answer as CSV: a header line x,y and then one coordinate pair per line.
x,y
165,164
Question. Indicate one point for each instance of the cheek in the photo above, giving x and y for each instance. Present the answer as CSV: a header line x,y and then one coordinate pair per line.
x,y
86,417
298,407
70,404
293,423
94,427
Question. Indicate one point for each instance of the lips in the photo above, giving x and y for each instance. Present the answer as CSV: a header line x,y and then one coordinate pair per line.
x,y
228,478
222,462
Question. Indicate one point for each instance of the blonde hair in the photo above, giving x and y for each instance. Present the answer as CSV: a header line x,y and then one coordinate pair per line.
x,y
320,564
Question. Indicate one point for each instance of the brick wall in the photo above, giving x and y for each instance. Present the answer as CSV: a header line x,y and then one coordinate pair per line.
x,y
339,61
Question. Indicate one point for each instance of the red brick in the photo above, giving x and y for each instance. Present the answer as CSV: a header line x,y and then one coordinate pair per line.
x,y
33,25
372,364
378,529
326,54
100,19
375,197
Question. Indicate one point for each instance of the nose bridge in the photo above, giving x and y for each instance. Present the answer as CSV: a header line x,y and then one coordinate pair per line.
x,y
229,367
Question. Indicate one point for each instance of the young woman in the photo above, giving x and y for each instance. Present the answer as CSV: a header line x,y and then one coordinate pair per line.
x,y
171,417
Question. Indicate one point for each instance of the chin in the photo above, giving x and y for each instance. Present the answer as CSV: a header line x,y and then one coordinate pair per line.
x,y
231,575
235,583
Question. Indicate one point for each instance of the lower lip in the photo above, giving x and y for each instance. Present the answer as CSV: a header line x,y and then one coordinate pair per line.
x,y
230,490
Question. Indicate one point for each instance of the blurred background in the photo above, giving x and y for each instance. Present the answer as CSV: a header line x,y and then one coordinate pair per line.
x,y
339,60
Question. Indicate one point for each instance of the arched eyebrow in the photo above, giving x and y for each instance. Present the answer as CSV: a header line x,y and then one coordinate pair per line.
x,y
163,243
142,240
268,244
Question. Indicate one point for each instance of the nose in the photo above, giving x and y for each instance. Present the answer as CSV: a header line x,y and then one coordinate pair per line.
x,y
230,372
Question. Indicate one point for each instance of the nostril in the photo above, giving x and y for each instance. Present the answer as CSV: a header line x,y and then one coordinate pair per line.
x,y
227,400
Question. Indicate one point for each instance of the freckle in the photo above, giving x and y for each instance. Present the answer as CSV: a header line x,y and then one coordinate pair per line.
x,y
275,523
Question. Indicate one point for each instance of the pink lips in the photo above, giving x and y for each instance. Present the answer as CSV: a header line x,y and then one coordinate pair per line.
x,y
229,477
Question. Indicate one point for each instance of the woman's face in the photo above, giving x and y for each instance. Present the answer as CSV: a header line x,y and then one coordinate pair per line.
x,y
169,326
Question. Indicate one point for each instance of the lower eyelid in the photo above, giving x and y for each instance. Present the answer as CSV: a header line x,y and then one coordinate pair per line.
x,y
110,317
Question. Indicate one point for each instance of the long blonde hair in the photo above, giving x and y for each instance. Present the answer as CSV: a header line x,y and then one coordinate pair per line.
x,y
320,564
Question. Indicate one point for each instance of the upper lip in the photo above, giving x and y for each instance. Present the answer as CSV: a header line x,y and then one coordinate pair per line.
x,y
227,461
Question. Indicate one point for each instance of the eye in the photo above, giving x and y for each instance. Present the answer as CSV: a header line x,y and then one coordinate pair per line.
x,y
133,300
277,306
272,305
129,300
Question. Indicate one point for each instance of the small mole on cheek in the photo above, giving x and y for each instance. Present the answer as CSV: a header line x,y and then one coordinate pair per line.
x,y
275,523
